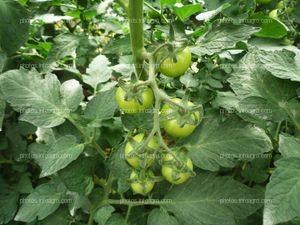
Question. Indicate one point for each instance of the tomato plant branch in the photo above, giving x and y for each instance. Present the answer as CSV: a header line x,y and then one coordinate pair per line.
x,y
132,203
86,140
157,11
136,24
292,118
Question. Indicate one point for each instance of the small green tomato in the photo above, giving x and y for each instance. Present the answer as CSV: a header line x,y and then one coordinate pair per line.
x,y
172,126
134,160
132,105
172,173
142,187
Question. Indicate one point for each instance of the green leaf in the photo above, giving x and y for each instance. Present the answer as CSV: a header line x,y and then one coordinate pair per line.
x,y
197,202
257,170
118,46
270,27
103,214
282,192
72,94
261,108
64,45
2,111
227,100
14,26
281,64
212,13
57,156
159,216
217,144
37,98
237,11
8,207
119,168
60,217
168,2
102,106
43,201
142,121
289,146
186,11
189,80
98,71
3,59
78,176
115,219
270,96
24,184
125,66
222,36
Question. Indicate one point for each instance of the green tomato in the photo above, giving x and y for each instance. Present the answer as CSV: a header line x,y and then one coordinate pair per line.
x,y
146,159
132,105
280,5
173,126
290,10
174,69
153,14
142,187
263,2
274,14
172,173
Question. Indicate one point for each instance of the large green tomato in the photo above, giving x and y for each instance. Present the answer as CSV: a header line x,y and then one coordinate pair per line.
x,y
174,69
172,173
173,125
143,186
132,105
263,2
144,160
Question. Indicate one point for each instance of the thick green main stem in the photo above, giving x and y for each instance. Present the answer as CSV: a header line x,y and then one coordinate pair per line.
x,y
136,23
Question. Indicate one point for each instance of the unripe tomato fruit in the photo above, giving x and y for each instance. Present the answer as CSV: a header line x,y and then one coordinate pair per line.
x,y
263,2
280,5
173,174
174,69
153,14
172,126
274,14
134,160
142,187
132,105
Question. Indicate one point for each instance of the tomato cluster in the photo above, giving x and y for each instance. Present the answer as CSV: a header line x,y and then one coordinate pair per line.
x,y
178,117
141,157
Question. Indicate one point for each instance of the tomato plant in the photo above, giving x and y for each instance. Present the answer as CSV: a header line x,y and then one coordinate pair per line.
x,y
149,112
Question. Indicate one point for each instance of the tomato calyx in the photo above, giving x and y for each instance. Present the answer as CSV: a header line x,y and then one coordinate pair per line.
x,y
177,170
133,91
138,153
183,115
142,182
178,166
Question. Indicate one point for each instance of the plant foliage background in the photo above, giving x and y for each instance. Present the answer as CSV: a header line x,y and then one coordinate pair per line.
x,y
62,135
